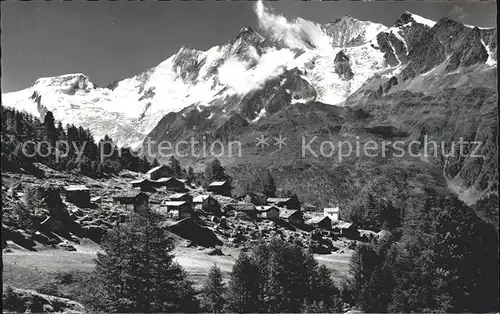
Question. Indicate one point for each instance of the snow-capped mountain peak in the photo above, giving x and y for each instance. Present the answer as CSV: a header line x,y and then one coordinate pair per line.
x,y
348,31
409,17
257,73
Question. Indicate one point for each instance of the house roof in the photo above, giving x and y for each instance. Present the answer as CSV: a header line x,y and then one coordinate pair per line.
x,y
341,224
332,210
131,194
278,199
217,183
163,179
243,206
317,219
76,188
266,208
200,198
138,181
177,195
155,169
174,203
287,213
96,198
254,195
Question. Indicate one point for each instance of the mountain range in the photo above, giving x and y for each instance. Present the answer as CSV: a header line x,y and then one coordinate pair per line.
x,y
339,80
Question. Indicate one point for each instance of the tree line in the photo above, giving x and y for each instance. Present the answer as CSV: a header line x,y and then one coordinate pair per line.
x,y
26,140
446,261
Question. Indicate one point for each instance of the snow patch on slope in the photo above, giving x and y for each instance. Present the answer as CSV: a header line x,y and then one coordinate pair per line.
x,y
422,20
490,60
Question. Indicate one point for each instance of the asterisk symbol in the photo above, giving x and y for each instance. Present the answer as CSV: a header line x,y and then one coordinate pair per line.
x,y
280,141
262,141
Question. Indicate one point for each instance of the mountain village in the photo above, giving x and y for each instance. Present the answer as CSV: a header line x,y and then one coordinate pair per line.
x,y
207,217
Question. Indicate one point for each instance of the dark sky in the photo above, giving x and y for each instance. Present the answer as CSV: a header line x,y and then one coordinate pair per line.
x,y
114,40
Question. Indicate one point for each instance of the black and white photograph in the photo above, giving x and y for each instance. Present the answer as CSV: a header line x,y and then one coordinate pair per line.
x,y
249,156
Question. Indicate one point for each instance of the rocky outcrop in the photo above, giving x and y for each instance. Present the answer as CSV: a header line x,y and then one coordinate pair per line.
x,y
254,101
393,81
489,37
449,41
393,48
30,301
189,229
47,197
462,44
342,66
42,110
187,64
297,86
231,127
18,236
348,31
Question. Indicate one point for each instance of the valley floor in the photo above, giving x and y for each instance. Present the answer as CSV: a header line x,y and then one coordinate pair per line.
x,y
31,270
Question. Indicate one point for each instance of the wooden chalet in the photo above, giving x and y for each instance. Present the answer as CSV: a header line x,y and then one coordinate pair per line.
x,y
159,172
169,183
78,195
133,201
255,198
293,216
288,203
181,197
346,229
178,209
323,222
268,212
143,184
247,208
220,187
206,203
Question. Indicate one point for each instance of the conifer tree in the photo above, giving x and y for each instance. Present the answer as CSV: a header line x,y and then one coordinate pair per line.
x,y
176,166
51,133
212,294
243,289
269,184
280,277
137,272
155,163
190,174
362,263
